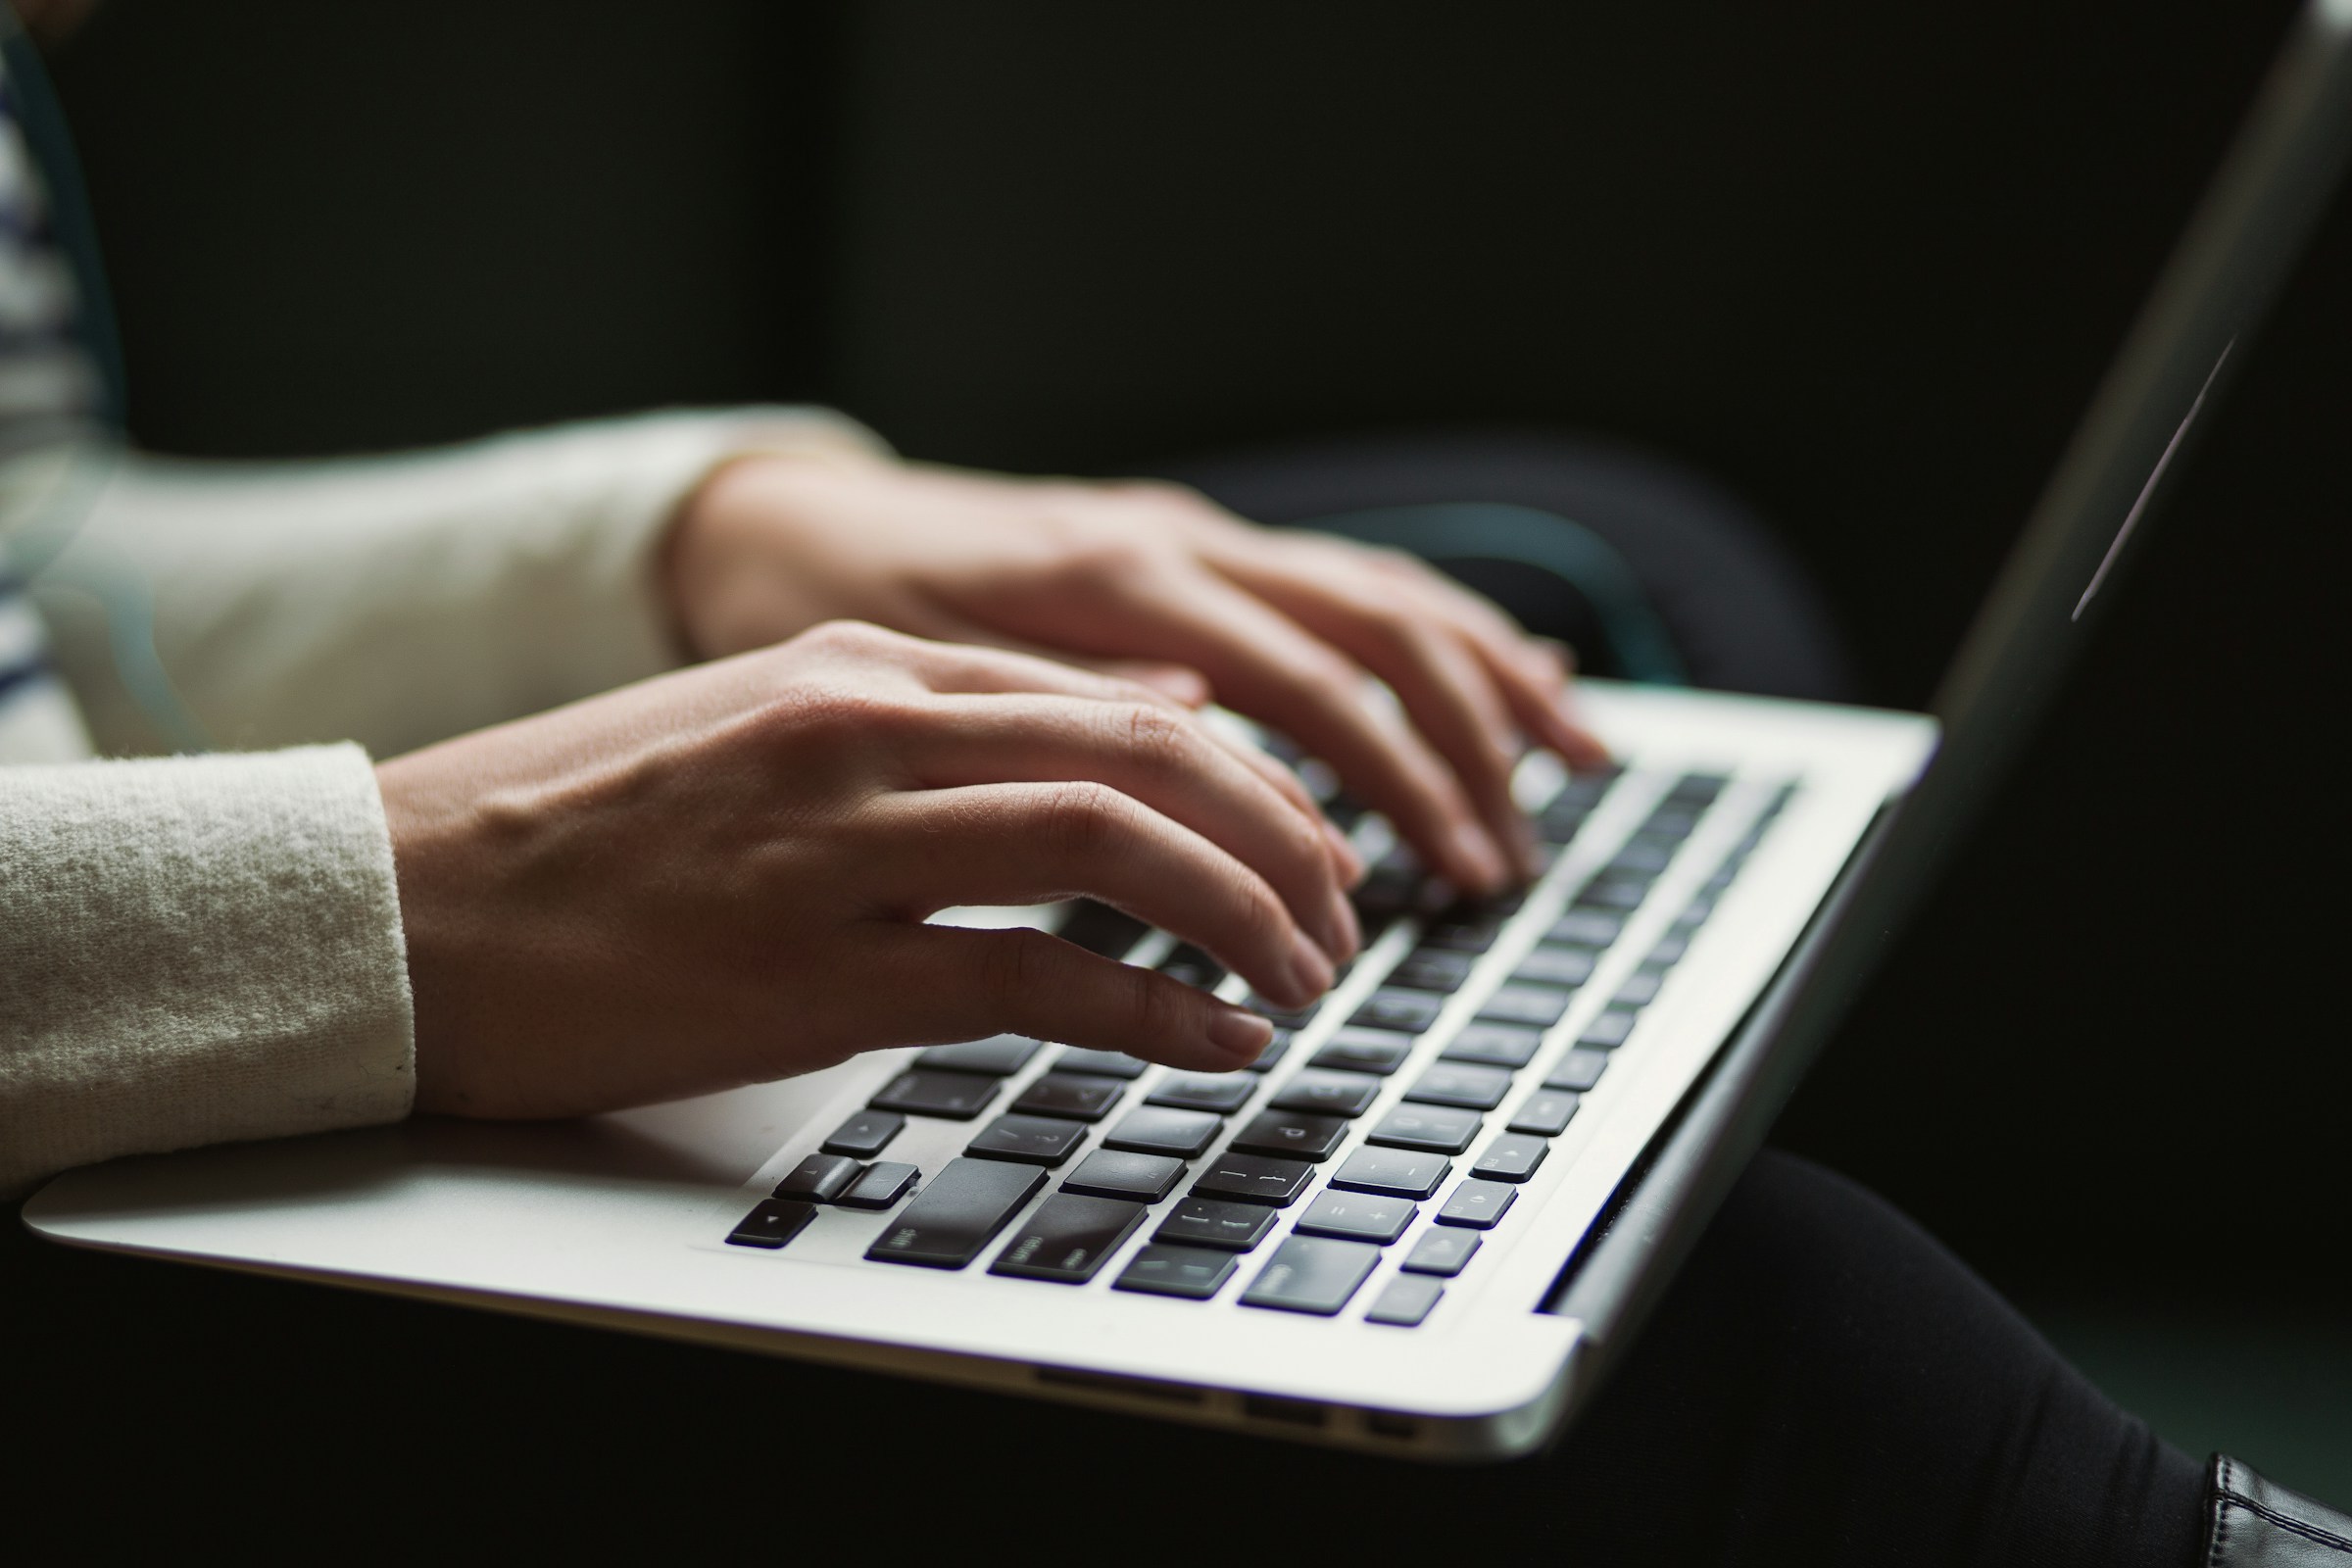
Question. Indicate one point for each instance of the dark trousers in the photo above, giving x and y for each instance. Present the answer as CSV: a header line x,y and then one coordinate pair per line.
x,y
1822,1383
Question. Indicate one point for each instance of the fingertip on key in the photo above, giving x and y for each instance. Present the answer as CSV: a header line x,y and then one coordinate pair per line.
x,y
1480,858
1238,1033
1311,972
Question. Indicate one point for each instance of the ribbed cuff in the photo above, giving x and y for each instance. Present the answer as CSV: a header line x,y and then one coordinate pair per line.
x,y
196,949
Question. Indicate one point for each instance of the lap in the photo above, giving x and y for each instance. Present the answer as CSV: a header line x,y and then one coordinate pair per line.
x,y
1820,1374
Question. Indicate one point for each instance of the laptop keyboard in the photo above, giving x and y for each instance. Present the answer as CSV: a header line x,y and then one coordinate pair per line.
x,y
1284,1172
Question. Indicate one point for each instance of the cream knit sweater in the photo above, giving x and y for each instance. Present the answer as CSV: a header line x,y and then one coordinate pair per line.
x,y
203,948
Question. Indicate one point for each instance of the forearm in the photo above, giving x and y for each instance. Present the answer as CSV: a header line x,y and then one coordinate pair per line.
x,y
399,600
195,949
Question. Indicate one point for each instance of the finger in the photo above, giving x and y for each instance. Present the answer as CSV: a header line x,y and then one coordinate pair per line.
x,y
1546,709
1168,762
1529,672
1269,666
1533,673
1348,864
1177,682
941,983
1446,691
1181,683
1036,842
957,666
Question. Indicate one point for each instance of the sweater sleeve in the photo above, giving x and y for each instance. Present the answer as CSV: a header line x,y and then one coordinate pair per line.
x,y
194,950
393,601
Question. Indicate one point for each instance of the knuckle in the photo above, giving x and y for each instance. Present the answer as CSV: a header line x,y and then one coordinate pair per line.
x,y
1109,560
1155,1007
829,714
1011,968
1080,819
1155,738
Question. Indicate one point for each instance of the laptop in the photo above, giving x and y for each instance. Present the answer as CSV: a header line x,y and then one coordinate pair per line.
x,y
1428,1219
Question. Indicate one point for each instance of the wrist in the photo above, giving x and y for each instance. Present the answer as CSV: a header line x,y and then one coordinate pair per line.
x,y
726,561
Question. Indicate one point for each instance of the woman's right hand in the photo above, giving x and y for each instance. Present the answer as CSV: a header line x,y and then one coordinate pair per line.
x,y
722,876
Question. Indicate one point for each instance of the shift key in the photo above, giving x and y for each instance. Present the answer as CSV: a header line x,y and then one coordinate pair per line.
x,y
960,1212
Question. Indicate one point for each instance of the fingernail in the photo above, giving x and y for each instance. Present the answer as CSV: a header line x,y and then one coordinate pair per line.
x,y
1238,1033
1524,850
1351,865
1480,854
1310,971
1348,934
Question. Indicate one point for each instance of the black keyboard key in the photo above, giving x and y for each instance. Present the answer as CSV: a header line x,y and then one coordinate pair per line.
x,y
1537,1007
1406,1012
1586,928
774,1222
1068,1238
997,1056
1253,1179
1478,1204
1373,1050
1101,929
1578,1070
1444,1251
1281,1017
1694,915
1512,1157
1607,1031
1325,1093
1556,964
1494,1045
1191,1272
1194,967
1291,1135
1386,892
1116,1173
1358,1216
1464,933
1101,1063
1218,1092
1031,1140
1558,823
1433,970
866,1135
1640,990
1405,1302
1435,1129
819,1178
957,1096
1607,892
1546,1112
879,1185
1697,790
1644,856
1213,1222
1311,1274
1275,1050
1160,1130
1071,1096
1395,1172
958,1214
1670,822
1462,1083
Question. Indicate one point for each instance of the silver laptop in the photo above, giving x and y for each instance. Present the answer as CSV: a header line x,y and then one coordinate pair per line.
x,y
1440,1205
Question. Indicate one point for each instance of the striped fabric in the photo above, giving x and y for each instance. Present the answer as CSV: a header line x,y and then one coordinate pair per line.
x,y
49,398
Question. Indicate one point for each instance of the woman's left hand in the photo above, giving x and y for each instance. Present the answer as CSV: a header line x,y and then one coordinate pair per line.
x,y
1152,581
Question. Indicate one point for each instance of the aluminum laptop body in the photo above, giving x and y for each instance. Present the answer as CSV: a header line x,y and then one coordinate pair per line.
x,y
1746,865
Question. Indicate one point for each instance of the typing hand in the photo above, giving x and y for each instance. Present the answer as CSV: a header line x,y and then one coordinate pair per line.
x,y
721,876
1283,626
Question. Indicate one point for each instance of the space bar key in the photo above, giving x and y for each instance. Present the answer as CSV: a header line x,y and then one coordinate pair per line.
x,y
957,1213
